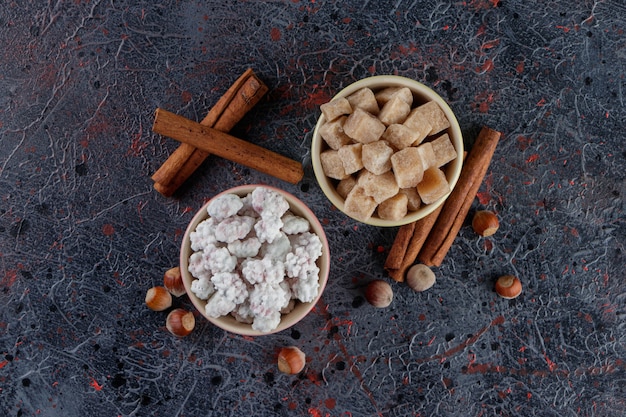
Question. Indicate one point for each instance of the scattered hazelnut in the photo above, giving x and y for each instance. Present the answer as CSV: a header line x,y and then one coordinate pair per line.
x,y
508,286
485,223
158,299
291,360
173,281
420,277
379,293
180,322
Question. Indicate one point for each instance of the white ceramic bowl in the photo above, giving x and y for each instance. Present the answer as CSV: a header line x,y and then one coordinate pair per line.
x,y
421,95
301,309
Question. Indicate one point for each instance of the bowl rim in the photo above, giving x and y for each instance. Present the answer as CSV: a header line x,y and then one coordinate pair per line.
x,y
301,310
380,81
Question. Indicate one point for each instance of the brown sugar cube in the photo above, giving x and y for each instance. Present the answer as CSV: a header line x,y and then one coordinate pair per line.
x,y
414,201
333,134
443,149
388,93
364,99
394,111
394,208
380,187
399,136
407,167
421,131
376,157
427,154
345,186
335,108
332,164
433,186
358,205
431,113
363,127
418,123
351,157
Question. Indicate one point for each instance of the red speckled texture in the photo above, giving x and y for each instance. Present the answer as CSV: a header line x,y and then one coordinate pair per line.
x,y
83,234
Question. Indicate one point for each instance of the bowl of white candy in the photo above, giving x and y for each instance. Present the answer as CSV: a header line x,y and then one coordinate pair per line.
x,y
254,260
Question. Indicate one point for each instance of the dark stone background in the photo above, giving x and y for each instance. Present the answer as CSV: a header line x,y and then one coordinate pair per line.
x,y
83,234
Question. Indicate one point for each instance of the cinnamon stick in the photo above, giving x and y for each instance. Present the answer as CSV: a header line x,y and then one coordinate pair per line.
x,y
244,94
456,207
399,246
422,229
227,146
398,263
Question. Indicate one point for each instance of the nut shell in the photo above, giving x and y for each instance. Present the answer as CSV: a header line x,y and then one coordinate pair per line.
x,y
291,360
180,322
485,223
158,299
379,293
173,281
420,277
508,286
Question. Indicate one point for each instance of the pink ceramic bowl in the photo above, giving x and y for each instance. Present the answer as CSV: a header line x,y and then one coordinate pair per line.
x,y
301,309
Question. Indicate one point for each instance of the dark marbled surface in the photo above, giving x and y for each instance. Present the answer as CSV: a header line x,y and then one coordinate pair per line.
x,y
83,234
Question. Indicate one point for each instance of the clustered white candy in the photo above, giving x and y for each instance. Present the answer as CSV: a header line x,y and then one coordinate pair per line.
x,y
253,258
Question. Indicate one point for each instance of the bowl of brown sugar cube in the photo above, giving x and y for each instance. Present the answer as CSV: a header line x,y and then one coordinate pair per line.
x,y
387,150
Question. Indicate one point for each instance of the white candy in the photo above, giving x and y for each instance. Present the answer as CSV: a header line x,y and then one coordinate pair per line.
x,y
293,225
224,206
218,305
203,288
248,248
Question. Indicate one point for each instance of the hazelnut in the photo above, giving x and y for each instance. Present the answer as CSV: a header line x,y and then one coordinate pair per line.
x,y
485,223
291,360
180,322
508,286
158,299
420,277
173,281
379,293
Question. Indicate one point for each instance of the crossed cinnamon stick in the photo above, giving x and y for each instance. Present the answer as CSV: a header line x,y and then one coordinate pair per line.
x,y
199,140
222,144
